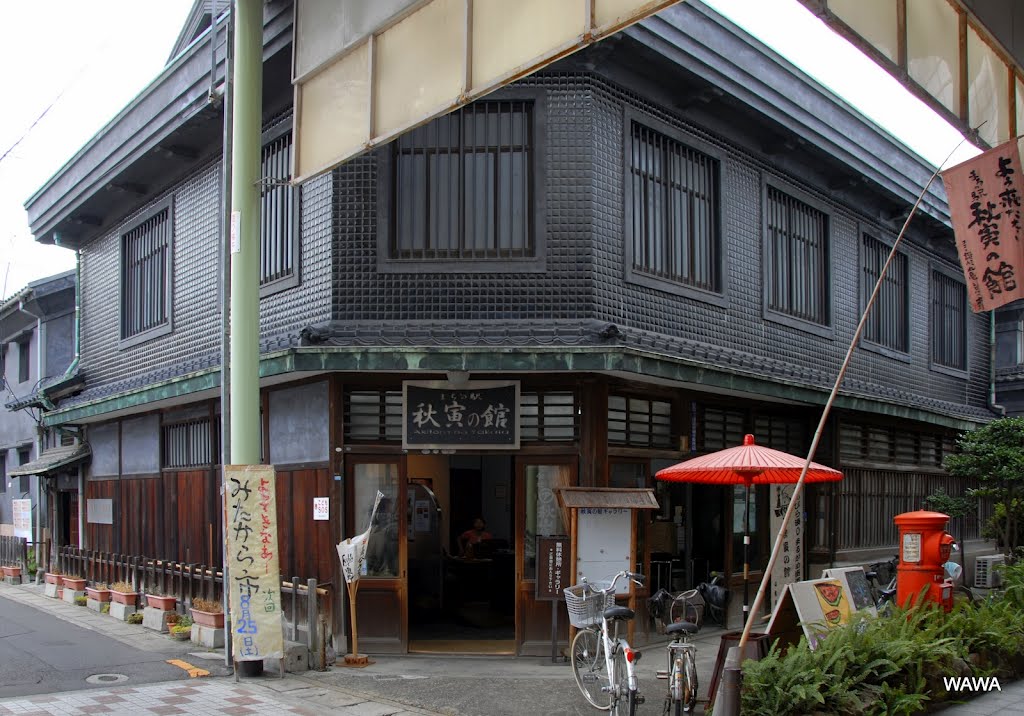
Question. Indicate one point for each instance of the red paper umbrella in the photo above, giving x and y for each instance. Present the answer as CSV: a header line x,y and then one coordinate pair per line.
x,y
749,464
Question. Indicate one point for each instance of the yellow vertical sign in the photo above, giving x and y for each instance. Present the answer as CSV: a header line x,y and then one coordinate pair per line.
x,y
252,559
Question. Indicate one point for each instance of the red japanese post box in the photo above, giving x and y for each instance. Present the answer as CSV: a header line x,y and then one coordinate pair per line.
x,y
924,548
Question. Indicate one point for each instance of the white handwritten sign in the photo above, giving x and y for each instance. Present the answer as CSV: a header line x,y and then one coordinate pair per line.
x,y
22,518
253,572
321,508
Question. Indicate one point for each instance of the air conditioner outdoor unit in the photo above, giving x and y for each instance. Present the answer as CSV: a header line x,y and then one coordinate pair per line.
x,y
985,574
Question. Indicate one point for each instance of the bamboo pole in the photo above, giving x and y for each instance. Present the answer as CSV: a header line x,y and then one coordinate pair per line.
x,y
777,547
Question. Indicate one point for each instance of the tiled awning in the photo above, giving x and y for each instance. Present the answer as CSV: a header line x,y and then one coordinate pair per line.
x,y
640,498
52,460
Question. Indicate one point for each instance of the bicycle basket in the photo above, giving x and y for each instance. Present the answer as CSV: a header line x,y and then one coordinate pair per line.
x,y
586,603
688,607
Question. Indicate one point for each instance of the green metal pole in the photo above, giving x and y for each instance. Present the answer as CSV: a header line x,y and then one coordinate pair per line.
x,y
245,233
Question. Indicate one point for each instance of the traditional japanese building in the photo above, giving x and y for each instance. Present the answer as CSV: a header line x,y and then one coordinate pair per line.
x,y
640,254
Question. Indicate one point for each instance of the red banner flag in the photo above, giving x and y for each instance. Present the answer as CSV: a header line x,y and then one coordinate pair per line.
x,y
985,196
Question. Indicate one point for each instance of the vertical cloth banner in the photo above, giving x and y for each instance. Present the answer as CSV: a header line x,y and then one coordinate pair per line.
x,y
985,206
251,553
22,518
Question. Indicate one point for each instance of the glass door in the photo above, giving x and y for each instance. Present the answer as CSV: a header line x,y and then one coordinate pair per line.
x,y
537,515
382,600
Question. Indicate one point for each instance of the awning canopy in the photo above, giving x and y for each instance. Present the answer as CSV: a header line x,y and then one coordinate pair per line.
x,y
53,460
613,497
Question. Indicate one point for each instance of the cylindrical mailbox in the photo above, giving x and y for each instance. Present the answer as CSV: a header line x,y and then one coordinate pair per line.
x,y
924,548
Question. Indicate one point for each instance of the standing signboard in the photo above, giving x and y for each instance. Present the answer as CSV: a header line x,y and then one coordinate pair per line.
x,y
790,566
255,578
552,570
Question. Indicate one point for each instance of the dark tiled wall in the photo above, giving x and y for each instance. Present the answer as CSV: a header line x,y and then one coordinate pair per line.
x,y
195,342
740,325
562,291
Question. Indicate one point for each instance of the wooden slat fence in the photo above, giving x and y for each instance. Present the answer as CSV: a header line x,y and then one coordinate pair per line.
x,y
14,553
187,582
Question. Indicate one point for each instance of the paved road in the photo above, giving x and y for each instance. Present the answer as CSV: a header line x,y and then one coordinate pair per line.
x,y
40,654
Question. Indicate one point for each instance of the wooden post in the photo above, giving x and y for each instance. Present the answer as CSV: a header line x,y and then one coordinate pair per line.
x,y
354,659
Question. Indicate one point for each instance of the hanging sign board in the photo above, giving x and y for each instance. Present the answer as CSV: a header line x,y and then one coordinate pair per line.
x,y
254,575
22,518
552,568
481,415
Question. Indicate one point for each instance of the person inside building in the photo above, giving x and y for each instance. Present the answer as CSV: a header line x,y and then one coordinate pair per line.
x,y
469,539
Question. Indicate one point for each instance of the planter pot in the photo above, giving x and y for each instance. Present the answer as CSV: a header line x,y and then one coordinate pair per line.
x,y
53,578
12,571
163,603
75,585
127,598
208,619
100,595
182,635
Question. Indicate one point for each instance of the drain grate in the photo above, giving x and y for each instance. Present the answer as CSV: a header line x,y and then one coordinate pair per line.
x,y
106,679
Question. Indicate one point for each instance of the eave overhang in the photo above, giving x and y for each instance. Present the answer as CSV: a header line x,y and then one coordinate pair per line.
x,y
636,363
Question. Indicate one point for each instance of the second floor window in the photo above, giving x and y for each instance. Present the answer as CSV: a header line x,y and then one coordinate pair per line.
x,y
673,195
796,265
24,360
146,274
949,322
462,186
888,321
279,215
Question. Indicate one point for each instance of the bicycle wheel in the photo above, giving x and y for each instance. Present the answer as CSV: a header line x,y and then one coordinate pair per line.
x,y
623,701
589,669
689,701
963,593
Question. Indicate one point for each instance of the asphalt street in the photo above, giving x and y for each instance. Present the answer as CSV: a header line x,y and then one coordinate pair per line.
x,y
40,654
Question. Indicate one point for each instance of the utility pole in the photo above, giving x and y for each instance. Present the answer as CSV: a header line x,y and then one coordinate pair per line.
x,y
245,233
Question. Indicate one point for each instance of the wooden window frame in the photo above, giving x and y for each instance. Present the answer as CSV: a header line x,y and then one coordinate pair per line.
x,y
635,273
285,199
934,320
536,202
166,326
882,308
824,328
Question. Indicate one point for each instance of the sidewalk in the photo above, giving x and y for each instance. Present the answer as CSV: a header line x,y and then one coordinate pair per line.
x,y
406,685
1009,700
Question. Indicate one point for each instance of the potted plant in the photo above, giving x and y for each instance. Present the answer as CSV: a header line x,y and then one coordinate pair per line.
x,y
12,571
208,613
123,593
180,631
74,582
160,601
53,577
100,592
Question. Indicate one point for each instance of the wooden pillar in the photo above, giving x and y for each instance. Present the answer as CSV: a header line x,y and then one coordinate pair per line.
x,y
593,431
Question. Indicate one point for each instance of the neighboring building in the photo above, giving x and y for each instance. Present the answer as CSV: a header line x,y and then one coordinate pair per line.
x,y
1009,367
36,351
654,241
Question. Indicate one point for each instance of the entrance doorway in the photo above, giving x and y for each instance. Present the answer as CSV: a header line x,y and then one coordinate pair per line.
x,y
461,548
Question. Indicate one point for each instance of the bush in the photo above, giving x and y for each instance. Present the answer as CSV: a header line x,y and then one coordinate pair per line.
x,y
81,601
105,609
892,665
123,587
207,605
134,618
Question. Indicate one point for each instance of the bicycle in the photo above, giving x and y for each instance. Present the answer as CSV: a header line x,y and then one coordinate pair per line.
x,y
878,573
686,614
603,664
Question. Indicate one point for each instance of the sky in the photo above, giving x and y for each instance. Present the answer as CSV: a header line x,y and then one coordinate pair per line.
x,y
82,62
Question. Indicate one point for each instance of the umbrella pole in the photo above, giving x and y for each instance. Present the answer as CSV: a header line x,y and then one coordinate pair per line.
x,y
746,554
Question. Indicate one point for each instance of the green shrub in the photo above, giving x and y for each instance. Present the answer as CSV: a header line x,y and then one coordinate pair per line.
x,y
105,608
134,618
81,601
